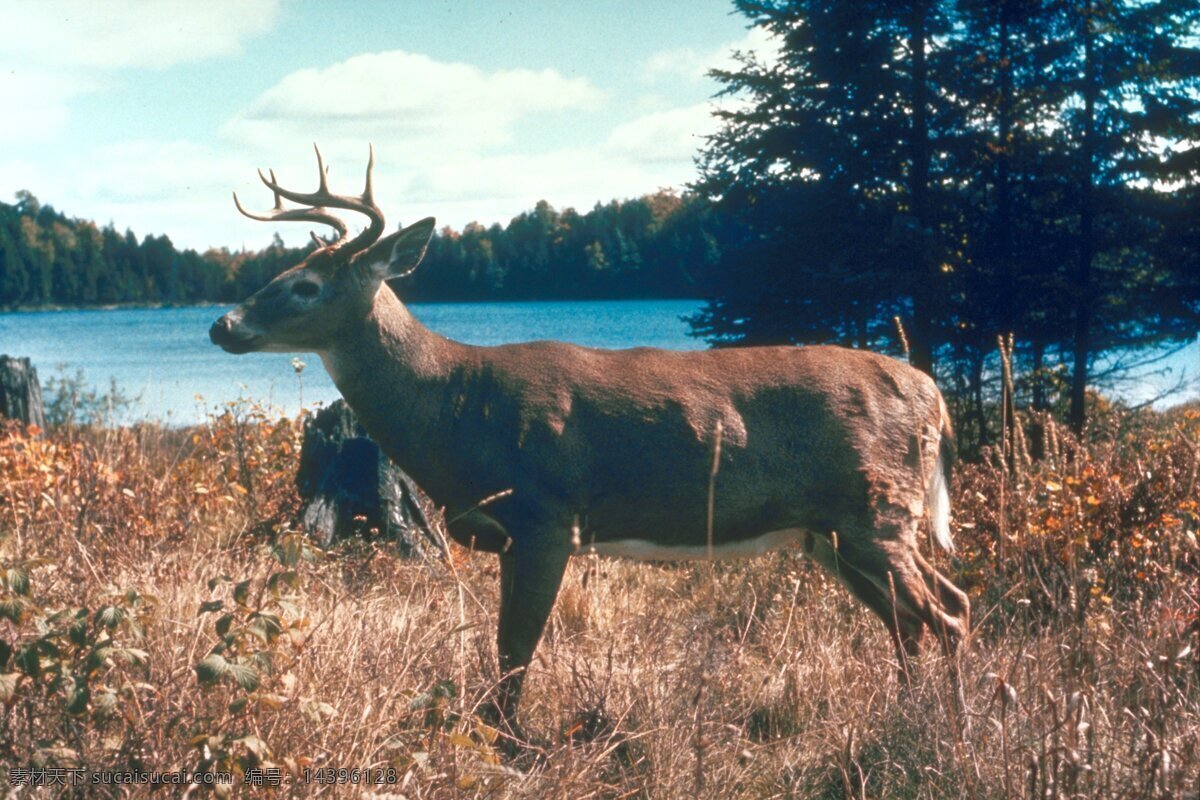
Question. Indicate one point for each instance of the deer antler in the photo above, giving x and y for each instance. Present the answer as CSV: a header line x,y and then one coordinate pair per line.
x,y
315,214
317,205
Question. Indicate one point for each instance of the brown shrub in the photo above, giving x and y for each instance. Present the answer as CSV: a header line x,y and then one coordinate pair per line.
x,y
159,613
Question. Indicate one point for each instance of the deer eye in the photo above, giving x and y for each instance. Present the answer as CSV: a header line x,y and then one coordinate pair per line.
x,y
305,289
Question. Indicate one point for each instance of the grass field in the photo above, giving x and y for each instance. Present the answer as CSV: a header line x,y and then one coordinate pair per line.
x,y
158,613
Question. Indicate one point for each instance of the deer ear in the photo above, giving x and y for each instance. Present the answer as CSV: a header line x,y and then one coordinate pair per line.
x,y
397,255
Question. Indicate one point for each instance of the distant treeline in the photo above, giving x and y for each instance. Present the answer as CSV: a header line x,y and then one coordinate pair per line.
x,y
660,245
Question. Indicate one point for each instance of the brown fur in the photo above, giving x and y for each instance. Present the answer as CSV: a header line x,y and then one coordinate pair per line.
x,y
603,447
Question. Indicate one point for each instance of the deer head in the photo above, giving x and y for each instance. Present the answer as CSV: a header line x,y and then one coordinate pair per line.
x,y
303,307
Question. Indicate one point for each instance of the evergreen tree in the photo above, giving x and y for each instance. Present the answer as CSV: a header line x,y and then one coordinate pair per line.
x,y
46,257
1134,120
1010,181
14,276
978,167
824,176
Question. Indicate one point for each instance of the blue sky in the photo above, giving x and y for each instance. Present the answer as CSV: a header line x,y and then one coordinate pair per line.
x,y
148,114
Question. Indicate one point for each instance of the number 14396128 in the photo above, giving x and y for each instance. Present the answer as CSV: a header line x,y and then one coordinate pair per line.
x,y
339,775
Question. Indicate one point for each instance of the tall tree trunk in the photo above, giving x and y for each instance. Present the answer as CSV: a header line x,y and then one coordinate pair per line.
x,y
1037,431
924,277
1004,149
1083,270
976,382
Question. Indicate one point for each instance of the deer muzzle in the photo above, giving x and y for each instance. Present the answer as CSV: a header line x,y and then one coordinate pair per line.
x,y
226,334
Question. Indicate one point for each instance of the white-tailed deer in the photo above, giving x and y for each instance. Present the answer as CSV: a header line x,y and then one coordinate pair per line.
x,y
596,451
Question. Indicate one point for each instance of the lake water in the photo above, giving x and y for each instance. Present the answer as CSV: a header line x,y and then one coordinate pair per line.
x,y
164,357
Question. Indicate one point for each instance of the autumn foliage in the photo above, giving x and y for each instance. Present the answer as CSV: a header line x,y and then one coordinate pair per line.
x,y
159,612
1114,518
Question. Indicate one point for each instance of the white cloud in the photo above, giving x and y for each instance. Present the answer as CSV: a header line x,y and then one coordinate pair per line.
x,y
663,137
695,64
179,188
52,51
36,104
182,188
452,139
409,100
684,61
444,135
460,187
455,186
128,33
139,171
472,183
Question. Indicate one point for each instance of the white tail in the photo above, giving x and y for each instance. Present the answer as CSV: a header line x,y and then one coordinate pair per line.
x,y
939,504
613,451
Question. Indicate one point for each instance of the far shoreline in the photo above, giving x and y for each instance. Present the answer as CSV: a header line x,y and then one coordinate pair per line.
x,y
108,307
220,304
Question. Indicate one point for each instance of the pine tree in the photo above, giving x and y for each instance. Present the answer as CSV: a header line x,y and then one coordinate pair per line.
x,y
1134,118
824,169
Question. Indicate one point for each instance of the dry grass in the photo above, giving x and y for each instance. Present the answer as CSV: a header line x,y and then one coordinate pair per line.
x,y
749,679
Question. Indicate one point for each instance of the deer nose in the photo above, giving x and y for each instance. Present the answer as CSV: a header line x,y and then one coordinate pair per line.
x,y
221,330
230,334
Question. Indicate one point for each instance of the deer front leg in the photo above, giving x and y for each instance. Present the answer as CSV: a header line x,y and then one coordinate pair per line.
x,y
531,572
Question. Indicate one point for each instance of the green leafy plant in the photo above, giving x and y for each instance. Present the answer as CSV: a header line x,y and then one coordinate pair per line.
x,y
69,672
70,402
259,629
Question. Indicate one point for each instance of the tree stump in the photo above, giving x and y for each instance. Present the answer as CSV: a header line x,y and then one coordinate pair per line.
x,y
350,488
20,392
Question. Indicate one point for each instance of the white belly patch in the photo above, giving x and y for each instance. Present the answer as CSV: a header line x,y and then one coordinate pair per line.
x,y
642,550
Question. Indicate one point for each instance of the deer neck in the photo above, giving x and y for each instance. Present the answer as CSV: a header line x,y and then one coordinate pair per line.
x,y
393,371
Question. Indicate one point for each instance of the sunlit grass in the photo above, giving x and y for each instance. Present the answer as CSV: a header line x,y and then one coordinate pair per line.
x,y
756,679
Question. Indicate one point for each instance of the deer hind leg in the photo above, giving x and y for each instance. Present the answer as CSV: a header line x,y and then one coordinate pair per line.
x,y
905,628
918,588
892,579
952,610
949,620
